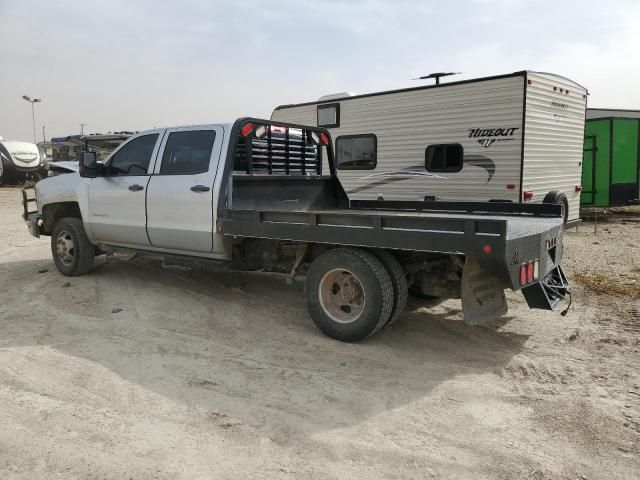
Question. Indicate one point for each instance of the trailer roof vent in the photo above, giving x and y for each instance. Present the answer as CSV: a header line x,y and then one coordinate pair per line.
x,y
334,96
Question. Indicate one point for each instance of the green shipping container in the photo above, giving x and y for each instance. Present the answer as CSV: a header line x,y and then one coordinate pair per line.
x,y
611,162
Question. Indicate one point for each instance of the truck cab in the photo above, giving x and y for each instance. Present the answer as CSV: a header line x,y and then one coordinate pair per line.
x,y
154,191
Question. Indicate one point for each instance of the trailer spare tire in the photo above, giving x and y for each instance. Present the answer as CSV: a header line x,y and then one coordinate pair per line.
x,y
558,198
349,294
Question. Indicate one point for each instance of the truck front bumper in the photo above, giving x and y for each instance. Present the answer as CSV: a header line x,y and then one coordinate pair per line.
x,y
33,224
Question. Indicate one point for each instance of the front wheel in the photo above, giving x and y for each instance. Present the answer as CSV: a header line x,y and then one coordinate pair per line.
x,y
349,294
72,251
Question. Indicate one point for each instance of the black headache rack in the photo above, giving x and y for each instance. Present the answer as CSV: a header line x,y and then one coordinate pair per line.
x,y
281,165
277,150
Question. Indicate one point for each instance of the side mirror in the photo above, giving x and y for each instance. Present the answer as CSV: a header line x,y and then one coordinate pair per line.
x,y
88,165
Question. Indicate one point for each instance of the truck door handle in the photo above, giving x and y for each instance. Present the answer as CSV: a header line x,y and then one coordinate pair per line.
x,y
136,188
200,188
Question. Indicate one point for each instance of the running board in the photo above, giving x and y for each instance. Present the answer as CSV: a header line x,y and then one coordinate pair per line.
x,y
169,261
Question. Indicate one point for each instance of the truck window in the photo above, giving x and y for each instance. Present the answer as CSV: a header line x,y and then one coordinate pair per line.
x,y
187,153
444,158
356,152
134,157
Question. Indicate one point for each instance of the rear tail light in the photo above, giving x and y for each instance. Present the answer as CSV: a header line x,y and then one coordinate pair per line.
x,y
578,188
523,274
511,186
260,131
324,138
529,272
247,129
527,195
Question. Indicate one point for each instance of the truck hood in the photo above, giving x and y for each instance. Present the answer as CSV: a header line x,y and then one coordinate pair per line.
x,y
22,154
63,166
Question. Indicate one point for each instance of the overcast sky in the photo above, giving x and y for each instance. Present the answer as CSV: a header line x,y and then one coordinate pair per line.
x,y
118,65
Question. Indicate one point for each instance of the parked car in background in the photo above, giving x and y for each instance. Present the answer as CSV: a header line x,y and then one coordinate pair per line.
x,y
19,161
65,151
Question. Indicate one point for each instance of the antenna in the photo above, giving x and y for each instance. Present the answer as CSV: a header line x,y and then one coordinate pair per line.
x,y
437,76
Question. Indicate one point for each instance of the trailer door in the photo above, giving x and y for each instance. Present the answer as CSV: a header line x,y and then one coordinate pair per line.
x,y
588,196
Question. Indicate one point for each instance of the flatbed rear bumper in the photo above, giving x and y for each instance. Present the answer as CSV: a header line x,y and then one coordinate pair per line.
x,y
549,292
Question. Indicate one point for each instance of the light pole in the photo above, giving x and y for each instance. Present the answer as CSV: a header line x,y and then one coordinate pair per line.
x,y
33,113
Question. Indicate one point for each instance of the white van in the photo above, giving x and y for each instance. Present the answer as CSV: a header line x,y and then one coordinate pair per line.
x,y
508,138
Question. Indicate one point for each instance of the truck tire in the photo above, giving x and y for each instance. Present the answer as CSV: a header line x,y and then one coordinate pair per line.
x,y
398,280
558,198
72,251
349,294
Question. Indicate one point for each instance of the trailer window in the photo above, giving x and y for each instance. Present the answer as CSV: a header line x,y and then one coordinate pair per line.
x,y
444,158
187,153
329,115
356,152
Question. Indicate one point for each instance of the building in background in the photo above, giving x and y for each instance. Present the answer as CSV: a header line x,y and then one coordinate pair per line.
x,y
611,161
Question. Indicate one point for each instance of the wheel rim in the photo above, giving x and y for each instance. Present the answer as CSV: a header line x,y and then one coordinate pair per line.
x,y
65,247
341,295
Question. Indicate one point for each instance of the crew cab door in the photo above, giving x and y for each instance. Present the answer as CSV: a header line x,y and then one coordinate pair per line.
x,y
180,199
117,197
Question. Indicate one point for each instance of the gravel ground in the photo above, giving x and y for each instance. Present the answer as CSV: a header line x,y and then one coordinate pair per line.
x,y
138,372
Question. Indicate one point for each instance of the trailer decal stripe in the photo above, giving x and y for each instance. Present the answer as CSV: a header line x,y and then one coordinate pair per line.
x,y
413,172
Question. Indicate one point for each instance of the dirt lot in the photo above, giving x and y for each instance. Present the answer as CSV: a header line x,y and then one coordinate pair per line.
x,y
207,374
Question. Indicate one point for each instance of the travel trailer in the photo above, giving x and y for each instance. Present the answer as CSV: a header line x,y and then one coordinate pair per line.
x,y
507,138
19,161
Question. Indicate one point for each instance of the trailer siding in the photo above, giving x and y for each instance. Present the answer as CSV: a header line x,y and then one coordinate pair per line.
x,y
554,138
406,122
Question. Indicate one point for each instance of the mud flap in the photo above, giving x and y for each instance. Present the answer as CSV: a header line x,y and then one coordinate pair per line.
x,y
483,296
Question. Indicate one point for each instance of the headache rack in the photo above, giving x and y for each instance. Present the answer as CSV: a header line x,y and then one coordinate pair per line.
x,y
276,149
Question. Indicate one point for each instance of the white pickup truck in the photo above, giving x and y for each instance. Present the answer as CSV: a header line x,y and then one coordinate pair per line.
x,y
253,195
